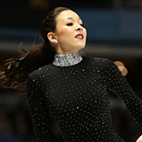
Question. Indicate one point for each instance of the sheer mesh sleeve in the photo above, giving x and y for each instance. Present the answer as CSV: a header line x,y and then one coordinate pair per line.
x,y
118,84
42,122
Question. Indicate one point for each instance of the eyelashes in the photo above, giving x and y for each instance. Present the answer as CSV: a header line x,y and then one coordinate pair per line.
x,y
71,24
82,25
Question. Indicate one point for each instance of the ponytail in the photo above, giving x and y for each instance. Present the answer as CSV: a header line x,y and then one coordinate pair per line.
x,y
14,71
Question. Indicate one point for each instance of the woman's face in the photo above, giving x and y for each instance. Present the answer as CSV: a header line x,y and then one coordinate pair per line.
x,y
70,33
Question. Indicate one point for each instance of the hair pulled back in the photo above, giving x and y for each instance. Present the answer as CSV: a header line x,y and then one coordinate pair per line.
x,y
14,71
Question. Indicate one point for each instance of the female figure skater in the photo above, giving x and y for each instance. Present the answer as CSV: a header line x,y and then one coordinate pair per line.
x,y
67,90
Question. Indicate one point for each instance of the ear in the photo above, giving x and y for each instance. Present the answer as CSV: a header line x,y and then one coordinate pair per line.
x,y
51,37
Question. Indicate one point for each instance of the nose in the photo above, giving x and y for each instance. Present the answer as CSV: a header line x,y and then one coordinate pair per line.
x,y
79,28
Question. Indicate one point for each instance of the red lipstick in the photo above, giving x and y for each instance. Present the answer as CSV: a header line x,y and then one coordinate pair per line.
x,y
79,36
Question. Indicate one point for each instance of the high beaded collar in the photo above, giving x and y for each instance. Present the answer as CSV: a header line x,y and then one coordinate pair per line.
x,y
63,60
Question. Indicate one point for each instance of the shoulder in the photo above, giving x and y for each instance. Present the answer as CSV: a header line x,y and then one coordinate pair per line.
x,y
102,64
36,74
100,61
35,78
42,72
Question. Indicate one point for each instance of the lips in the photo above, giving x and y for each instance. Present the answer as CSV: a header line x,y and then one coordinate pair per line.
x,y
79,36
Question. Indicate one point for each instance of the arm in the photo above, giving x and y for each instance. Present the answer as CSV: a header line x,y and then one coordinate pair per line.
x,y
42,122
139,139
118,84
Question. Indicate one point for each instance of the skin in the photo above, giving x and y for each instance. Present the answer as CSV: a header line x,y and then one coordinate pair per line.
x,y
68,25
139,139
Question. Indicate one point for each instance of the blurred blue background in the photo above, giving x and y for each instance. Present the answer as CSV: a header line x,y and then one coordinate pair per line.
x,y
114,31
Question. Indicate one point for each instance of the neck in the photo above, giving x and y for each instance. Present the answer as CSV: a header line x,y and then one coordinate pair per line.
x,y
67,59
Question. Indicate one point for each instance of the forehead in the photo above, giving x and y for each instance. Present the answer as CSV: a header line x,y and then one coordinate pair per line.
x,y
67,14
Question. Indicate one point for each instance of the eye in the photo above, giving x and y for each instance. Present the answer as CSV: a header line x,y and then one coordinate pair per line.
x,y
69,24
82,25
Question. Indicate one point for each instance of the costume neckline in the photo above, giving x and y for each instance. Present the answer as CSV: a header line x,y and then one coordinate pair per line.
x,y
64,60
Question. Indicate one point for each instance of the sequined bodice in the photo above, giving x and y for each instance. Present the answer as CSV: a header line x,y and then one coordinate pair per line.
x,y
76,99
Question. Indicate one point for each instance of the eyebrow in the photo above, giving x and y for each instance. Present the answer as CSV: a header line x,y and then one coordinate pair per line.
x,y
71,18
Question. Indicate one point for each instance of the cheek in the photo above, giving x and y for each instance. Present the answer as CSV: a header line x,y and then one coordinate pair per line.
x,y
85,32
61,33
64,33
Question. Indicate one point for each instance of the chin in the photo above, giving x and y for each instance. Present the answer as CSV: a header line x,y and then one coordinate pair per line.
x,y
82,47
81,44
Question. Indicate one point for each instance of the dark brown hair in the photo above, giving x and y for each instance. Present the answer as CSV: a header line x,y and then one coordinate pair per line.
x,y
14,72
